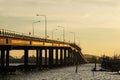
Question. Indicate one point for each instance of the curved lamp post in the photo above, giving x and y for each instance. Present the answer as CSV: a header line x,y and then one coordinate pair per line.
x,y
33,25
45,24
52,32
74,35
63,33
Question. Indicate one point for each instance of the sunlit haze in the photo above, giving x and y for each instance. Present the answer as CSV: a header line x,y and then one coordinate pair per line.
x,y
96,23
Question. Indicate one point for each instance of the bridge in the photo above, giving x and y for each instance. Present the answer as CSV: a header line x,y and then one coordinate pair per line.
x,y
66,54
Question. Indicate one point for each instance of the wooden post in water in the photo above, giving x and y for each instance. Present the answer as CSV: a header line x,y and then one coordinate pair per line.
x,y
76,68
95,64
94,69
76,62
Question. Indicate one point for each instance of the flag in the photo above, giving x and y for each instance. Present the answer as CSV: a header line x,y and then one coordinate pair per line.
x,y
57,38
29,33
47,36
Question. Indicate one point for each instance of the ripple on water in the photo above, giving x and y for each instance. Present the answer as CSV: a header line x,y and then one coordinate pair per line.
x,y
67,73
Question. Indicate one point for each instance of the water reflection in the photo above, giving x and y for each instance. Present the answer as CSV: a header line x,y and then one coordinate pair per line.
x,y
67,73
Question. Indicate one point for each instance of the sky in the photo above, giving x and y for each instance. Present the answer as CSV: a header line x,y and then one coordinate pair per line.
x,y
95,22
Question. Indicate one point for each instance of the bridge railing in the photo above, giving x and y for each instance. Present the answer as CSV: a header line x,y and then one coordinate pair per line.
x,y
9,33
14,34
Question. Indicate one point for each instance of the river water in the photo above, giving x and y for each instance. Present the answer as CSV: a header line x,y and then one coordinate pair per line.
x,y
66,73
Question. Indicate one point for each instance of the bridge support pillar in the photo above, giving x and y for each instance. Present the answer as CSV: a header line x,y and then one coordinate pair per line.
x,y
65,57
25,57
50,57
46,56
7,57
69,55
2,58
61,56
40,57
57,57
72,58
37,57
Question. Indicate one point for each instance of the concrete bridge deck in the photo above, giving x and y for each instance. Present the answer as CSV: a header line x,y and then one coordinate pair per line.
x,y
69,53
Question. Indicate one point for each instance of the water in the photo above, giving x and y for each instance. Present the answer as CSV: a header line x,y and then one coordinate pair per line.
x,y
67,73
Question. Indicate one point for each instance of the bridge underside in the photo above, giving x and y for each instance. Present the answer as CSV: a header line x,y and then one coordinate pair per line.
x,y
53,57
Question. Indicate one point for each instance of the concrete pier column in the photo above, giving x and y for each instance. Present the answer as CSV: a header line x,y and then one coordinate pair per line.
x,y
37,57
65,57
67,50
69,56
7,57
56,56
45,56
25,57
72,57
40,57
78,57
61,56
50,57
2,58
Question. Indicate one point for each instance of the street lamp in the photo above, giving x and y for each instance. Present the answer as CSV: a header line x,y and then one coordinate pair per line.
x,y
63,33
74,35
52,32
45,24
33,25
